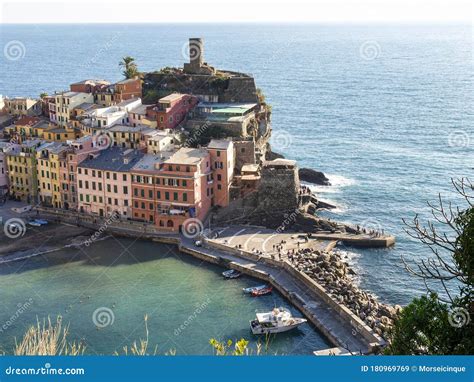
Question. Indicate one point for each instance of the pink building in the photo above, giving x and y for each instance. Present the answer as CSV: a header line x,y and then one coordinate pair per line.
x,y
104,182
171,110
3,168
79,150
222,164
169,190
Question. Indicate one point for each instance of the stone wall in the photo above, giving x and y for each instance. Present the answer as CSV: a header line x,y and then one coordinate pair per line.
x,y
239,88
276,196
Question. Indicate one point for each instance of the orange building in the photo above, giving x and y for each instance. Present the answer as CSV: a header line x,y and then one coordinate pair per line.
x,y
222,164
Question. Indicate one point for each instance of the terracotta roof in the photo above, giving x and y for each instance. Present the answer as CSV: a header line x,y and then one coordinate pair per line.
x,y
27,121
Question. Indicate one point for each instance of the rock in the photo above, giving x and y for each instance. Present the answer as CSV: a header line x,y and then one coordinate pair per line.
x,y
387,310
271,155
314,177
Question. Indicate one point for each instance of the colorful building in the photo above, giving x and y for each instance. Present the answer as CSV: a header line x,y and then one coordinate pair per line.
x,y
21,106
222,164
104,182
65,103
48,157
3,168
169,190
22,174
121,91
79,150
171,110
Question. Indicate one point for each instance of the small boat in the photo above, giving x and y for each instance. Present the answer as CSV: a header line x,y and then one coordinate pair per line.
x,y
231,274
41,221
251,289
34,223
262,292
277,321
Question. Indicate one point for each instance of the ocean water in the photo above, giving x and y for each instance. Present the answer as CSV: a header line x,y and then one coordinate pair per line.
x,y
385,110
104,292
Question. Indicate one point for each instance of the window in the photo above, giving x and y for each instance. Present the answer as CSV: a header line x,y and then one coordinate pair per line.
x,y
167,195
135,191
158,194
150,194
219,177
124,177
185,197
114,176
115,189
218,153
125,190
175,196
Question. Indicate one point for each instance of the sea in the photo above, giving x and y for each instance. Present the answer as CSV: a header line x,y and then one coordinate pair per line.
x,y
385,111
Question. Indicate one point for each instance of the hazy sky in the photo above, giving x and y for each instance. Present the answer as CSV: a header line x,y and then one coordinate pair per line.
x,y
342,11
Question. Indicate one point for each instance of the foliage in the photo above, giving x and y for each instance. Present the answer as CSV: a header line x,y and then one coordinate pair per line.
x,y
43,95
201,137
441,324
48,338
130,67
225,348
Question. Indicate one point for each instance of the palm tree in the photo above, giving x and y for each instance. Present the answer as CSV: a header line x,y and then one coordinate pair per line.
x,y
130,67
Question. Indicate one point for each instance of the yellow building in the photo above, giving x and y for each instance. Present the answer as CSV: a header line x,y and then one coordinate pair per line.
x,y
22,175
48,158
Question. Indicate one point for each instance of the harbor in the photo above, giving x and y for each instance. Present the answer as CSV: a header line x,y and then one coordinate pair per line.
x,y
341,327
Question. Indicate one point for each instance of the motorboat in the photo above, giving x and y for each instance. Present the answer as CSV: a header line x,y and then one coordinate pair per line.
x,y
34,223
279,320
262,292
231,274
41,221
249,290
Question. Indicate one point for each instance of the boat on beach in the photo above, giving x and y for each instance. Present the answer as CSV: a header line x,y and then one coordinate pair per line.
x,y
41,221
34,223
231,274
279,320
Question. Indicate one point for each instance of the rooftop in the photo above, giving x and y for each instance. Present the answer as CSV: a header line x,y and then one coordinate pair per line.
x,y
188,156
171,97
125,129
280,162
113,159
221,144
148,162
92,82
28,121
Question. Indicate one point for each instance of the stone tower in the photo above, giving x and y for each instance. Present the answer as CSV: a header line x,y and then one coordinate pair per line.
x,y
196,52
196,63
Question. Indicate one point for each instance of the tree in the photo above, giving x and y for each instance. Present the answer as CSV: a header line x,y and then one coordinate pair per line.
x,y
130,67
43,95
441,324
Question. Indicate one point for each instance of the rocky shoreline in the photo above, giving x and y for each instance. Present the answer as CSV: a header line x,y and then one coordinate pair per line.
x,y
336,276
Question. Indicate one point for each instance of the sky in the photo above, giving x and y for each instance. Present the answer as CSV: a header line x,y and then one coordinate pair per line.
x,y
160,11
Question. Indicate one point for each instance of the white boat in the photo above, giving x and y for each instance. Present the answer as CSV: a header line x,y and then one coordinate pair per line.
x,y
231,274
277,321
41,221
255,288
34,223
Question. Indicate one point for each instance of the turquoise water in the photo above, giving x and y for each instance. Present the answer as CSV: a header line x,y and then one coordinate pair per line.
x,y
134,279
391,131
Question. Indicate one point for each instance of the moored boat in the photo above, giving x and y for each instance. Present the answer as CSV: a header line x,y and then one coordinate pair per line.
x,y
249,290
262,292
34,223
277,321
41,221
231,274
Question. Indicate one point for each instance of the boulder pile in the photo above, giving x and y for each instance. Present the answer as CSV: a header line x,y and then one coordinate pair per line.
x,y
335,275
